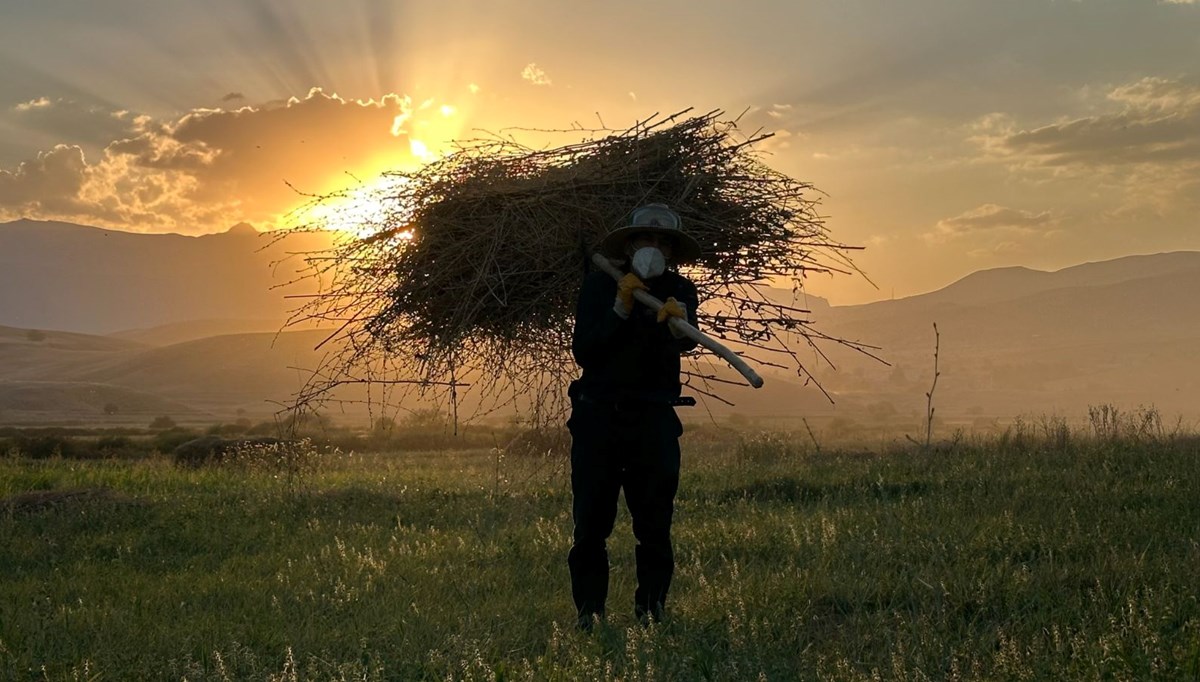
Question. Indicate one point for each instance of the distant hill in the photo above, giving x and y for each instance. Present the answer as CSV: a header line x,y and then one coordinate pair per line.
x,y
220,374
12,337
57,275
192,323
246,369
1005,284
191,330
1016,340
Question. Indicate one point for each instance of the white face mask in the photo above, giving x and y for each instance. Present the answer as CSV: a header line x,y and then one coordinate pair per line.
x,y
648,262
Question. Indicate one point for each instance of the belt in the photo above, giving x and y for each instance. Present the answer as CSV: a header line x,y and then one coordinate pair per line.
x,y
639,403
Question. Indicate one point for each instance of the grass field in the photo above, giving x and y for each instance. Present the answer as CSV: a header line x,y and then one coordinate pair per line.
x,y
1016,557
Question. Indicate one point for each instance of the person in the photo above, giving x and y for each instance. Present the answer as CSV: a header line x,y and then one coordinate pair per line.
x,y
624,430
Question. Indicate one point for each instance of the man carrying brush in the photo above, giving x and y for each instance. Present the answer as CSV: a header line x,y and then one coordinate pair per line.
x,y
624,430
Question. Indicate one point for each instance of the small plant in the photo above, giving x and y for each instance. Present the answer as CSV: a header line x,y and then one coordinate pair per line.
x,y
111,445
382,428
767,447
929,408
1110,424
1056,432
290,462
540,442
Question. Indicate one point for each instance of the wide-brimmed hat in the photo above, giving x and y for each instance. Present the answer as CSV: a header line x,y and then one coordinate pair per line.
x,y
657,218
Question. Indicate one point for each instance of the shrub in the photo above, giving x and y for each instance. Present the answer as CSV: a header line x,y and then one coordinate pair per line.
x,y
114,443
213,449
45,446
265,428
167,441
237,428
162,422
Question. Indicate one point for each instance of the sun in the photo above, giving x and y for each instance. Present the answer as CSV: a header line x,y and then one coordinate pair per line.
x,y
366,207
360,211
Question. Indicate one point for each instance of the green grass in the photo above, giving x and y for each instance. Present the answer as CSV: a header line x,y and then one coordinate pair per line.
x,y
1068,558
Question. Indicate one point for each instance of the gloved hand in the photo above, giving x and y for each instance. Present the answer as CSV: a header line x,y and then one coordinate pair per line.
x,y
672,308
625,288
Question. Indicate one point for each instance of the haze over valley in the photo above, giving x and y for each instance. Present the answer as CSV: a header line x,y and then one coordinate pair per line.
x,y
146,325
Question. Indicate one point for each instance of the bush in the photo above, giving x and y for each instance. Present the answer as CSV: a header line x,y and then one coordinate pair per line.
x,y
237,428
45,447
265,428
162,422
115,446
213,449
167,441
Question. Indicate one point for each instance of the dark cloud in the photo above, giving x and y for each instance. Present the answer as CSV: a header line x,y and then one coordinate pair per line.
x,y
233,97
51,182
1158,123
90,125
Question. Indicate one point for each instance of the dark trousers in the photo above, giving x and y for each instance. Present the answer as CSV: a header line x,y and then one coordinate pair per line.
x,y
635,448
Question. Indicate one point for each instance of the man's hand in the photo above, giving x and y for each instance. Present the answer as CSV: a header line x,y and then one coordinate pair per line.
x,y
672,308
625,288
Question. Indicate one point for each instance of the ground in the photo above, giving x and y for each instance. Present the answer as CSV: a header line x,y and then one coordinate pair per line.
x,y
1016,556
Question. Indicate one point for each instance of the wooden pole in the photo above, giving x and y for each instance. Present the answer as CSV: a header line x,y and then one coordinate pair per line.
x,y
682,327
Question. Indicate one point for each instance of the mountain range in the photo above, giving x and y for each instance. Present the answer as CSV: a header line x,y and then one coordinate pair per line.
x,y
83,279
148,324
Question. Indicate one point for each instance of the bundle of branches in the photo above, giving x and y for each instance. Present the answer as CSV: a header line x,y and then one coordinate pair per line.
x,y
472,266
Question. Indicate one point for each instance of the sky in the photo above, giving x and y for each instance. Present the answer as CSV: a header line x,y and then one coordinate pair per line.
x,y
945,136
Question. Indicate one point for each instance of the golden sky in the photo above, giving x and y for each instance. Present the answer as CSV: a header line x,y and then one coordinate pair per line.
x,y
948,135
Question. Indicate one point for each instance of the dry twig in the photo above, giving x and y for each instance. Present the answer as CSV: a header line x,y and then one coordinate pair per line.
x,y
470,273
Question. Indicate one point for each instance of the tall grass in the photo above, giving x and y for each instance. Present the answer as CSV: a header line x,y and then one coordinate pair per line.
x,y
1030,555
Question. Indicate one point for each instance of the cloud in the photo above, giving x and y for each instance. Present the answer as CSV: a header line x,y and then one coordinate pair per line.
x,y
535,74
991,230
1002,248
1158,122
780,140
39,103
1139,155
993,218
212,167
89,125
233,97
778,111
54,178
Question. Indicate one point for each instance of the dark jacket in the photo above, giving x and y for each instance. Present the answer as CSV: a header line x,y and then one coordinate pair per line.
x,y
634,359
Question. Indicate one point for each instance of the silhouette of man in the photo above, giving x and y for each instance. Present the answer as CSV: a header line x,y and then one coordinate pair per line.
x,y
624,430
